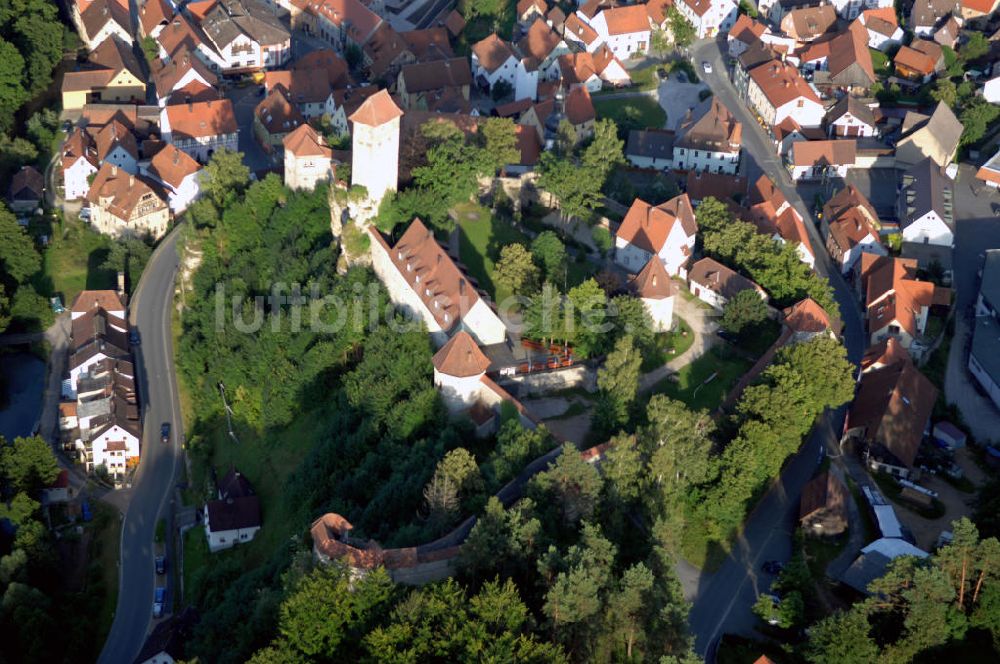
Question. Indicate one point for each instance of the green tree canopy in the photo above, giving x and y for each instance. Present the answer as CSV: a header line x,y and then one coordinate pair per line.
x,y
744,310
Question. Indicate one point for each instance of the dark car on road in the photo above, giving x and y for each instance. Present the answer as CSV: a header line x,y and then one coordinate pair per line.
x,y
161,565
165,432
133,337
772,567
158,600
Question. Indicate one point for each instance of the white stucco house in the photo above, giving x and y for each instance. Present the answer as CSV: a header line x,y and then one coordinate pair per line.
x,y
666,231
234,518
709,17
201,128
777,91
708,140
624,29
179,173
79,163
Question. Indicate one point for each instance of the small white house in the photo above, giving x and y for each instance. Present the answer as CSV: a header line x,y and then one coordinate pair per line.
x,y
715,284
666,231
179,173
113,444
234,518
79,162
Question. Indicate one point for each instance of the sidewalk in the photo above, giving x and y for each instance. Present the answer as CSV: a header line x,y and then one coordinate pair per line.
x,y
703,326
980,414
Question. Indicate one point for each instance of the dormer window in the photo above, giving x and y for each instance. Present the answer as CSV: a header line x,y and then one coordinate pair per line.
x,y
427,292
409,267
418,279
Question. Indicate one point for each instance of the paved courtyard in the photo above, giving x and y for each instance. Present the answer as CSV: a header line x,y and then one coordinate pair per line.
x,y
677,97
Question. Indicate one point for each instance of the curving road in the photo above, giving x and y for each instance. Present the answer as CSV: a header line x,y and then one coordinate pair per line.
x,y
149,497
722,600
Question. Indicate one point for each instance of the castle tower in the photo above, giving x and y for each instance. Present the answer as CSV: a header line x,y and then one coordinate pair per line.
x,y
458,370
375,155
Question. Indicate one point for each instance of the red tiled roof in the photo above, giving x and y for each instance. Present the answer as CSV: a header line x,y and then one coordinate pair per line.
x,y
647,226
914,59
461,357
825,491
893,405
781,83
442,287
806,316
746,29
335,66
278,115
376,110
492,52
539,41
824,153
579,29
579,107
888,351
630,18
892,292
306,141
202,119
653,282
108,300
171,165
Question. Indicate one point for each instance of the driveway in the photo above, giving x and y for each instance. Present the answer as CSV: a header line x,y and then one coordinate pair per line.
x,y
245,100
702,323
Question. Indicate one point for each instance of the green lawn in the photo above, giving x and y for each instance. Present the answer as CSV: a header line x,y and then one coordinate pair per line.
x,y
481,236
880,63
705,382
678,340
640,111
267,461
72,262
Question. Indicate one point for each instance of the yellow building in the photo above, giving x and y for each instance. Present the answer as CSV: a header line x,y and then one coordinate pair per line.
x,y
112,74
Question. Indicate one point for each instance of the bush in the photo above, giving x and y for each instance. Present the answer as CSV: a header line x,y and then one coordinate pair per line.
x,y
602,238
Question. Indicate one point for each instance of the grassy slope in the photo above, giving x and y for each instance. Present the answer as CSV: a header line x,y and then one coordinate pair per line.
x,y
72,262
689,384
480,241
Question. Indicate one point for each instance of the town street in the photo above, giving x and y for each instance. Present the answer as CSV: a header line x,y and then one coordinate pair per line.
x,y
722,600
148,499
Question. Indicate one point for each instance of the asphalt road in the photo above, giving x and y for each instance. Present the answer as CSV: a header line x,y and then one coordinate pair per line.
x,y
723,599
150,311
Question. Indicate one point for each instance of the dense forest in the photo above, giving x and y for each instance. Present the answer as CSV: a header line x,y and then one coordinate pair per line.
x,y
32,42
40,592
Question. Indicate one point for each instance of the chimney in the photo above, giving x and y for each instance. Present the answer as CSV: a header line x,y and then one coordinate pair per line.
x,y
114,170
121,283
131,180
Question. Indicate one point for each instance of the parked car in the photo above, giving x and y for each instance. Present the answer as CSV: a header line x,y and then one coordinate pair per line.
x,y
161,565
133,337
682,77
165,432
85,214
706,66
158,601
772,567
